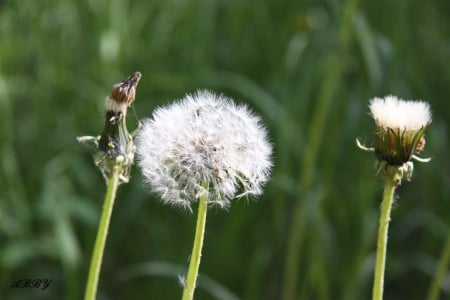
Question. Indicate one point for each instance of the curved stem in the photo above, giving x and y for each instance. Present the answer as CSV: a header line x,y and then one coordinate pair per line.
x,y
433,293
386,205
191,280
97,256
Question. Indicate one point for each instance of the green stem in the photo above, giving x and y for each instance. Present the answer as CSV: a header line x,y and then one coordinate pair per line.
x,y
97,256
386,205
433,293
191,280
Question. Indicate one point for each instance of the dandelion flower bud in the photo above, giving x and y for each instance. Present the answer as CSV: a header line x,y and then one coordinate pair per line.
x,y
204,143
400,127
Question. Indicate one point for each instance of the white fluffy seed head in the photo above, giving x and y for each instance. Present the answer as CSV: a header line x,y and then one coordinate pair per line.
x,y
394,113
400,128
204,140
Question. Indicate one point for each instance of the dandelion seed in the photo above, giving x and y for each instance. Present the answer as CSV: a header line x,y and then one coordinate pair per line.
x,y
204,144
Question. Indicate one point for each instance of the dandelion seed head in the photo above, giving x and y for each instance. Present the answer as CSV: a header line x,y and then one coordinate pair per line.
x,y
392,112
400,128
204,139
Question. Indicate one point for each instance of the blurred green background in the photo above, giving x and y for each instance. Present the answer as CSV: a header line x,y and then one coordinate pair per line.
x,y
307,67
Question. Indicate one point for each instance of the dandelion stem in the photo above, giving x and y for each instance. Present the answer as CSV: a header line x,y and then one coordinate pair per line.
x,y
97,256
191,280
441,270
380,264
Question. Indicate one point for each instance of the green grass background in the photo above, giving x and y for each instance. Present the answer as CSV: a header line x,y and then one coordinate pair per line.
x,y
307,67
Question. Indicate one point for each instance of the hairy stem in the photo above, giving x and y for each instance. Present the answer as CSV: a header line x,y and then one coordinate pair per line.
x,y
380,264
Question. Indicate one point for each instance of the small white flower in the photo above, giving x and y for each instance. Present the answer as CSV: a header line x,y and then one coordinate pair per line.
x,y
394,113
201,144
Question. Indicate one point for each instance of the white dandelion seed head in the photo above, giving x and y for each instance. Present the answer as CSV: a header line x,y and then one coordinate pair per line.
x,y
400,128
204,139
392,112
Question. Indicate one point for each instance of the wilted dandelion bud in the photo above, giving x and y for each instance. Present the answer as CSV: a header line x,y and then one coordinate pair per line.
x,y
114,149
400,126
204,143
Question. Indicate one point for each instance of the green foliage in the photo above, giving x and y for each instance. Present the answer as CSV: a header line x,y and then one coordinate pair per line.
x,y
309,68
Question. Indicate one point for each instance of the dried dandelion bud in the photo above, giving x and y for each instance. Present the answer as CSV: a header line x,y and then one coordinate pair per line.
x,y
114,149
123,94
